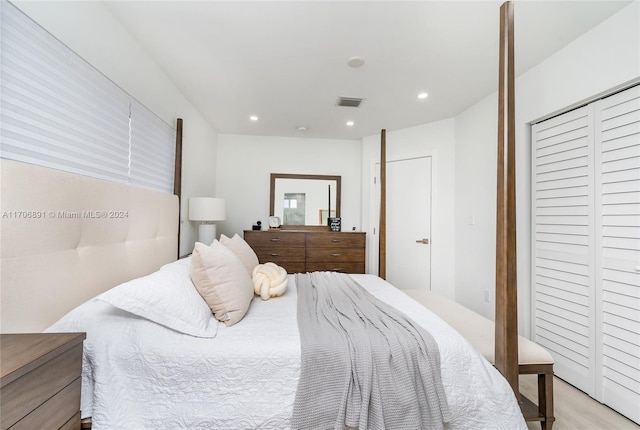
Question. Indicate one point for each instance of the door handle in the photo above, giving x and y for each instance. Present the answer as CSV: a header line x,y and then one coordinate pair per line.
x,y
423,241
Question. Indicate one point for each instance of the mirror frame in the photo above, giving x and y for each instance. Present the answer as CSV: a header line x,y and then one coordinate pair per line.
x,y
272,193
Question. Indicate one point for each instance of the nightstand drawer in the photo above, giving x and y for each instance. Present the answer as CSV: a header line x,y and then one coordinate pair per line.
x,y
335,240
55,412
26,393
75,423
347,255
40,380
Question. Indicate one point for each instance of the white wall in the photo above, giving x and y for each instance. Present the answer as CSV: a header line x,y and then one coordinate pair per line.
x,y
89,29
435,139
603,59
475,200
245,164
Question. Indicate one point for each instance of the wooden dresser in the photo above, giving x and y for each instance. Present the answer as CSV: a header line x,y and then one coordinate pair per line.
x,y
309,251
40,380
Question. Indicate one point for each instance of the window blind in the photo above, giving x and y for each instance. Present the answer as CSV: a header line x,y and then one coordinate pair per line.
x,y
152,150
58,111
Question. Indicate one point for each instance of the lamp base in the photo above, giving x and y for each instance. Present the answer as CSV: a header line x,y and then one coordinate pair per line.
x,y
206,233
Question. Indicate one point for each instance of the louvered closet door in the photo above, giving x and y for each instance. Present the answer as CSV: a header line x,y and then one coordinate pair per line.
x,y
563,243
586,227
618,241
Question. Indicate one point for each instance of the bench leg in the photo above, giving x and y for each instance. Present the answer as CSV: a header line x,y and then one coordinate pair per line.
x,y
545,399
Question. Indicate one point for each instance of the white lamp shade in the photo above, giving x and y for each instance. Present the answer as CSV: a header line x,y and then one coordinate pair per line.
x,y
207,209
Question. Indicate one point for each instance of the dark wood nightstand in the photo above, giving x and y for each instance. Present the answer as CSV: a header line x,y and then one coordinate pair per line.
x,y
40,380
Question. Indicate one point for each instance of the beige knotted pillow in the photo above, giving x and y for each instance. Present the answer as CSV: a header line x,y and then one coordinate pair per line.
x,y
269,280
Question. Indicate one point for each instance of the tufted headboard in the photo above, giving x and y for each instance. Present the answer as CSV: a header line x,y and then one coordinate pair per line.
x,y
65,238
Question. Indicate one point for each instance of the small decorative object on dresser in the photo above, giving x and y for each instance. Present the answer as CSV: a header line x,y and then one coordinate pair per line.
x,y
310,251
274,222
257,226
335,223
40,380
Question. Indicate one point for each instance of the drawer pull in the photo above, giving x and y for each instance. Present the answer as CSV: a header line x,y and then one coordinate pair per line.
x,y
336,255
335,240
275,239
274,254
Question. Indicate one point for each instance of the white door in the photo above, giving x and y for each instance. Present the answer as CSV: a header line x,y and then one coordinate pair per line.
x,y
408,222
617,155
563,244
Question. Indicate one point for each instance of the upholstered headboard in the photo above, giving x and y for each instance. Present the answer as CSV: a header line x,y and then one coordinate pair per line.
x,y
66,238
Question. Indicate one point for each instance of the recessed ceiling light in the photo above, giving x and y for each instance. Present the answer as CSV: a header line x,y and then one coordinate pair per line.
x,y
423,95
302,129
253,118
350,123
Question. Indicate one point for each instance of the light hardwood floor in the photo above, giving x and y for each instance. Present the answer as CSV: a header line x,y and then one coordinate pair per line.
x,y
574,410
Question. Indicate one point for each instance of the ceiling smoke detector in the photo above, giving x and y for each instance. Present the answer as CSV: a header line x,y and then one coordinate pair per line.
x,y
355,62
349,101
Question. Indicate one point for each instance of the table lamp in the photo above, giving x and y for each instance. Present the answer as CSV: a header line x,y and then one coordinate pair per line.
x,y
206,210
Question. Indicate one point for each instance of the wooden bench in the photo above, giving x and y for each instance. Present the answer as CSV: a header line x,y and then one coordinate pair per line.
x,y
480,333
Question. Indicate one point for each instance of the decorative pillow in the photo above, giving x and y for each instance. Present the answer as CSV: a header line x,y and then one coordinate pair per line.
x,y
242,250
166,297
269,280
222,280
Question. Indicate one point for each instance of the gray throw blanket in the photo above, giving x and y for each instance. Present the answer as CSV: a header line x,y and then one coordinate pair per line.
x,y
364,363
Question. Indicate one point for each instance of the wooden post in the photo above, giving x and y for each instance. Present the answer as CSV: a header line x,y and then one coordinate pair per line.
x,y
177,174
382,228
506,318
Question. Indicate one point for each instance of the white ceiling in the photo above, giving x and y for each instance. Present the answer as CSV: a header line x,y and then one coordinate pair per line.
x,y
286,61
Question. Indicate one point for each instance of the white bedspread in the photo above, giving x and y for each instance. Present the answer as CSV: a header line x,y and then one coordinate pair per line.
x,y
140,375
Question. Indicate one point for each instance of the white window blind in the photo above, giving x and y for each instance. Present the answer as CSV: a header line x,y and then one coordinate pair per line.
x,y
58,111
152,150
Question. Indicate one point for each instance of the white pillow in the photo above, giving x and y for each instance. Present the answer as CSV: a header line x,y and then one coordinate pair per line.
x,y
222,280
242,250
166,297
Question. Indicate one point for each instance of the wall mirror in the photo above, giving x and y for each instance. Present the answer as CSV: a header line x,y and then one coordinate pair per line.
x,y
304,200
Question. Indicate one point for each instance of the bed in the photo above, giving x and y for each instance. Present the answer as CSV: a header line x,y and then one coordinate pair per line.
x,y
132,364
200,373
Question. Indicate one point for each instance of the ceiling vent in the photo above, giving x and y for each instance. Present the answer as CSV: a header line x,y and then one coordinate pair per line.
x,y
349,101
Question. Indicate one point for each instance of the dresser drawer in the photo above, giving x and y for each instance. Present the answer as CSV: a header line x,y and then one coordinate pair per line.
x,y
270,253
268,238
334,240
348,255
293,266
337,266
